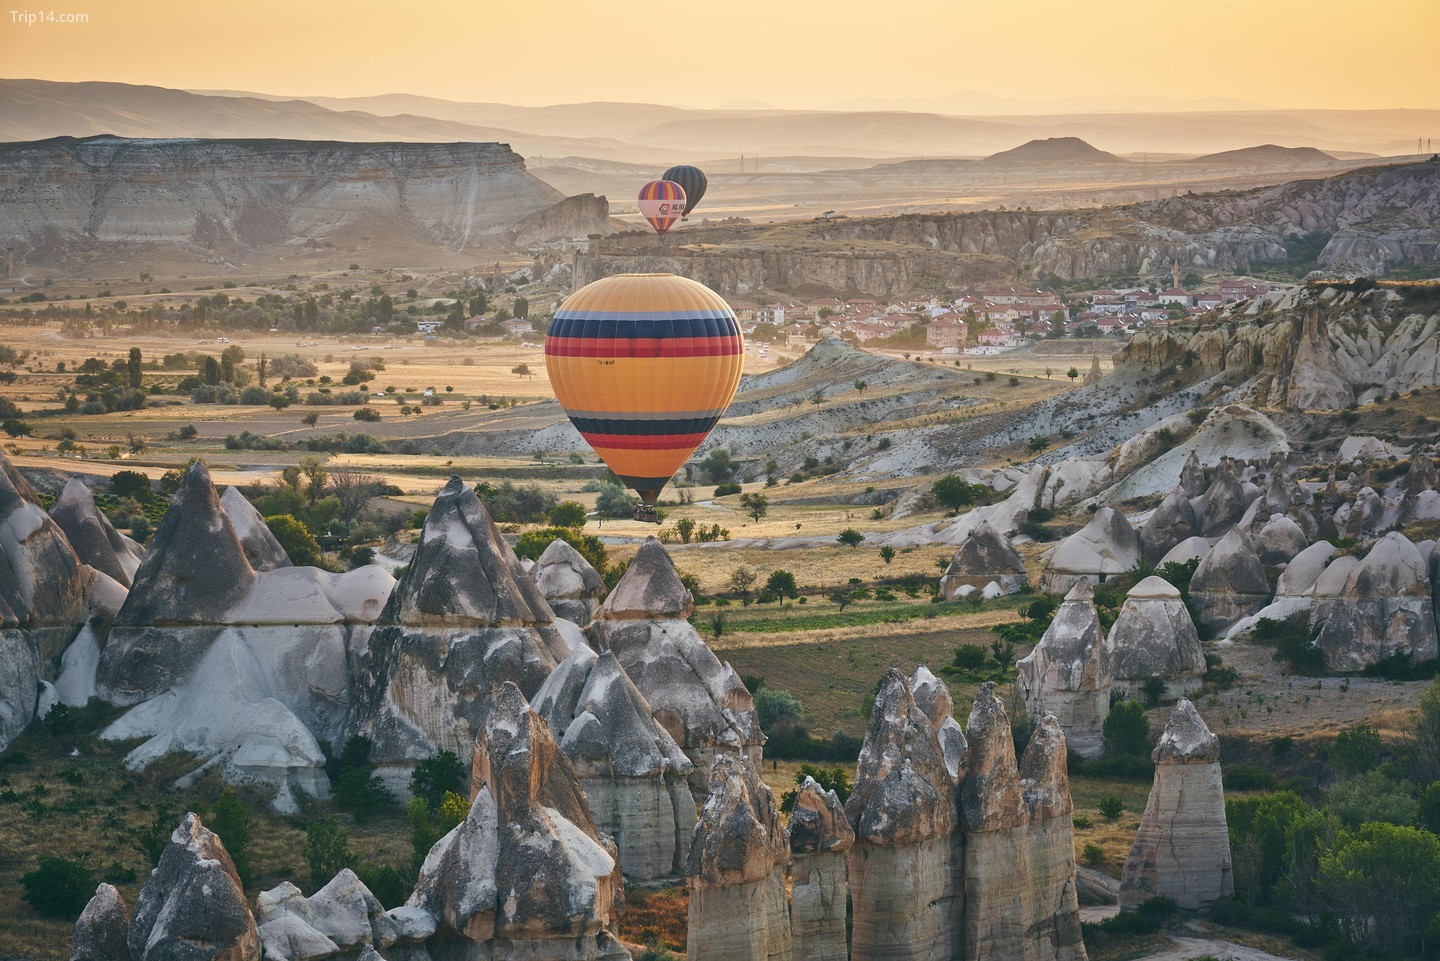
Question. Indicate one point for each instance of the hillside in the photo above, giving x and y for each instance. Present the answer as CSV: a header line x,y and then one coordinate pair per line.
x,y
1055,150
61,193
1266,154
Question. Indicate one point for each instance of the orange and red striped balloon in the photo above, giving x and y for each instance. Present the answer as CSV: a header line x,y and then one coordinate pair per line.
x,y
662,202
644,364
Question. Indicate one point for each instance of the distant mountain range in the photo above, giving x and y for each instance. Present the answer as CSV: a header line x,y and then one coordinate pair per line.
x,y
976,103
655,135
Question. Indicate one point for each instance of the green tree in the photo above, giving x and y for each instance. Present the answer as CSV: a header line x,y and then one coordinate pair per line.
x,y
300,545
130,483
1072,373
953,492
1356,750
58,888
232,822
210,370
780,585
1126,731
1383,884
568,514
887,553
860,385
850,538
132,368
521,370
685,527
717,467
327,850
613,501
435,776
521,307
533,543
742,579
840,597
777,709
757,505
310,419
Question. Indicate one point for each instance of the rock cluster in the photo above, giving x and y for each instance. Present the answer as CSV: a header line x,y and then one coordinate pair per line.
x,y
1386,607
736,870
632,772
1182,850
261,548
1068,672
94,539
698,699
191,908
985,562
1230,582
463,620
343,917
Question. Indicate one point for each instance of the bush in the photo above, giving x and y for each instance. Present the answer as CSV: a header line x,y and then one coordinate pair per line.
x,y
327,850
130,483
385,881
1093,855
970,658
1356,750
533,543
357,788
1111,807
232,822
724,490
58,888
1248,777
436,775
300,545
1126,731
367,414
777,709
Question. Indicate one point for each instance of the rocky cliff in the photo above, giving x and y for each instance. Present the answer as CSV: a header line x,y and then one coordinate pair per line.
x,y
1374,218
253,193
1321,346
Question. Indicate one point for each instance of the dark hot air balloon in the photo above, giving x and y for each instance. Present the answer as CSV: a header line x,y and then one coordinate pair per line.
x,y
662,202
644,364
691,180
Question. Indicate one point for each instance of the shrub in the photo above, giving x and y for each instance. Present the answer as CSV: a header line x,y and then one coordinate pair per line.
x,y
1111,807
723,490
1356,750
58,888
300,545
385,881
130,483
1248,777
533,543
327,850
1126,731
436,775
1154,689
232,822
777,708
1093,855
357,788
367,414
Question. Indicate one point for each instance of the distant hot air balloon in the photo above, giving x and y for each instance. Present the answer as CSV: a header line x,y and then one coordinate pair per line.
x,y
691,180
662,202
644,364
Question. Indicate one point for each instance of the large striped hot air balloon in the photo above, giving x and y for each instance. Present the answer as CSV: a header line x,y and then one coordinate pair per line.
x,y
662,202
644,364
692,180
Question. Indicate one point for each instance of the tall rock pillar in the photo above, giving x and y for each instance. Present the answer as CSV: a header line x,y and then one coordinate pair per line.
x,y
820,838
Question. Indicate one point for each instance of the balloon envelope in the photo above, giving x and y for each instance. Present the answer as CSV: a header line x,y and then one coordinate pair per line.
x,y
644,364
662,202
692,180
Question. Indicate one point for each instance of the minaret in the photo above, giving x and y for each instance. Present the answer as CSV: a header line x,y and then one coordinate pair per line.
x,y
1175,274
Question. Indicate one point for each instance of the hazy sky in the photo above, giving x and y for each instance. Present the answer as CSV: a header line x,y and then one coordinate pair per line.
x,y
791,53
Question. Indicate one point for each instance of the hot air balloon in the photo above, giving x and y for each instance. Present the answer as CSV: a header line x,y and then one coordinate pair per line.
x,y
644,364
692,181
662,202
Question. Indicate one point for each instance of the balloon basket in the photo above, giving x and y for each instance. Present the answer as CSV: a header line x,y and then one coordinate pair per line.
x,y
646,514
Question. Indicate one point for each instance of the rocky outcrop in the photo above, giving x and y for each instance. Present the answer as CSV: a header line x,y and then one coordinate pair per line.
x,y
1182,850
932,697
1051,896
1107,545
736,870
192,907
1279,540
820,839
698,699
904,867
1321,346
276,192
102,933
1224,501
526,874
633,773
464,619
91,535
45,596
1068,673
1154,637
574,218
571,586
1385,608
984,558
1230,582
261,548
1173,521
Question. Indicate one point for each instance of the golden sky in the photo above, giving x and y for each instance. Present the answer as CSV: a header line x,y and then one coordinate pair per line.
x,y
788,53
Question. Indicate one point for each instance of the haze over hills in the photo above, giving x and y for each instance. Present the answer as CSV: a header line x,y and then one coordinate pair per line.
x,y
1055,150
649,133
975,102
1264,154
